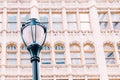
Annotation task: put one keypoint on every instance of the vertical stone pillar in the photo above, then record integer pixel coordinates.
(18, 20)
(64, 19)
(4, 25)
(18, 58)
(50, 20)
(3, 44)
(34, 13)
(110, 27)
(98, 40)
(78, 20)
(117, 53)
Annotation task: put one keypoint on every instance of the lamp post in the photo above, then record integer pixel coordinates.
(34, 35)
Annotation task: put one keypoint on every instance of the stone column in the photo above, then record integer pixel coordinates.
(34, 13)
(98, 40)
(3, 44)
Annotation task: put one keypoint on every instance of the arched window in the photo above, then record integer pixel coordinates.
(45, 47)
(11, 54)
(59, 54)
(25, 56)
(89, 53)
(75, 54)
(109, 53)
(45, 55)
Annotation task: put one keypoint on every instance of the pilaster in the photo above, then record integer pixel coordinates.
(100, 56)
(34, 9)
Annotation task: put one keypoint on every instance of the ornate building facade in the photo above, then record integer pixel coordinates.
(83, 39)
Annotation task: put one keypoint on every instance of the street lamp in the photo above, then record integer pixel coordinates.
(33, 34)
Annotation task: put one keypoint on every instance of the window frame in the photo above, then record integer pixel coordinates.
(47, 50)
(11, 52)
(24, 51)
(72, 51)
(108, 51)
(60, 51)
(12, 22)
(92, 51)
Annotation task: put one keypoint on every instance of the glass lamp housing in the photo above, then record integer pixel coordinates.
(32, 32)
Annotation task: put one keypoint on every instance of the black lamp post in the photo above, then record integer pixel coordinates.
(34, 35)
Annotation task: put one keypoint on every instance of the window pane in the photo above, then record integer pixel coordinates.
(60, 61)
(57, 26)
(89, 55)
(45, 55)
(25, 61)
(110, 61)
(103, 17)
(59, 55)
(116, 25)
(75, 47)
(90, 61)
(88, 47)
(46, 61)
(24, 17)
(12, 26)
(43, 17)
(116, 17)
(75, 55)
(12, 17)
(75, 61)
(108, 47)
(59, 58)
(59, 47)
(85, 26)
(56, 17)
(118, 47)
(45, 48)
(11, 61)
(11, 55)
(84, 17)
(72, 26)
(24, 48)
(71, 17)
(11, 47)
(103, 25)
(109, 55)
(25, 55)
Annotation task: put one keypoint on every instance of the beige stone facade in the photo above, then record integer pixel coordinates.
(83, 39)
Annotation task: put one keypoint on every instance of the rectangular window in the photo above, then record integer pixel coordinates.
(109, 57)
(44, 19)
(75, 58)
(25, 58)
(84, 21)
(103, 20)
(71, 20)
(59, 57)
(57, 21)
(12, 21)
(11, 58)
(24, 17)
(45, 58)
(89, 58)
(116, 21)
